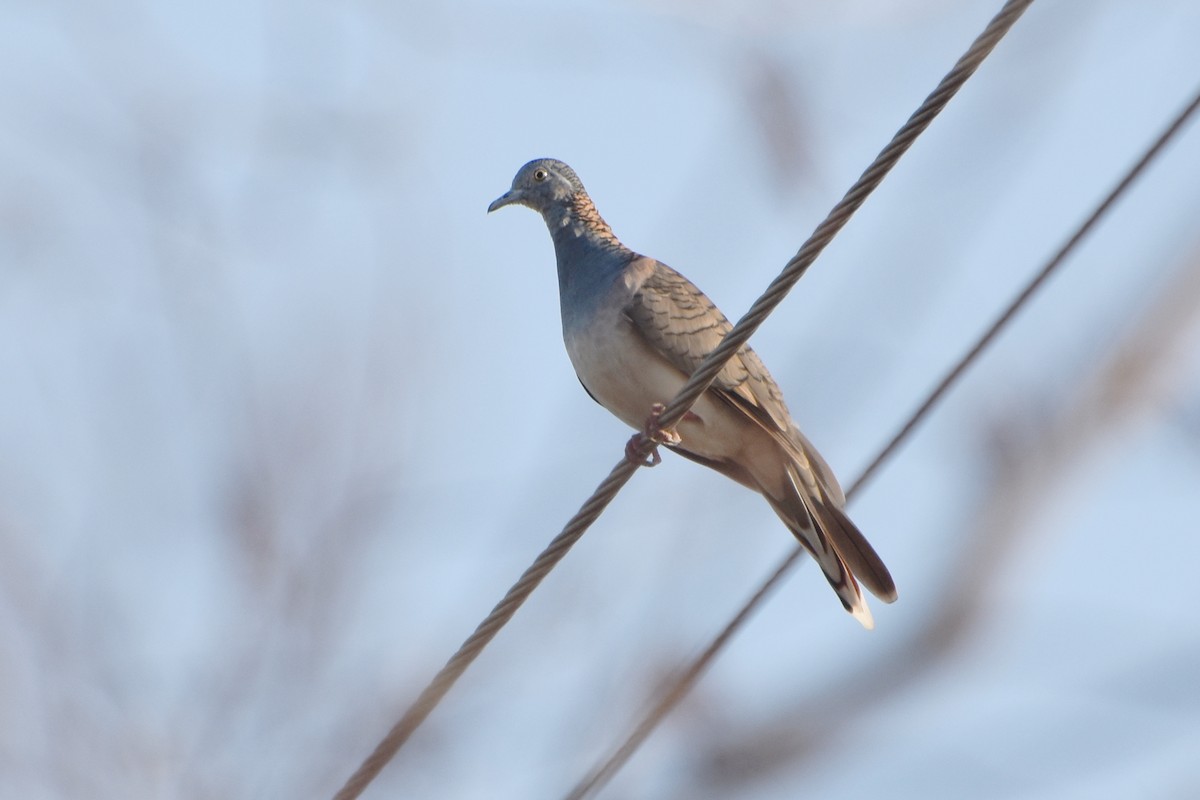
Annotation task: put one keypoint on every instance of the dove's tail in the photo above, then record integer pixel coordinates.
(838, 547)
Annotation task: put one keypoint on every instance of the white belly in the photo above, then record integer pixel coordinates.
(627, 377)
(620, 370)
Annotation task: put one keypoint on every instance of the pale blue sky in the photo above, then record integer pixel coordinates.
(285, 412)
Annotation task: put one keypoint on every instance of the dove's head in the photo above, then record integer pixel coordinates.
(543, 184)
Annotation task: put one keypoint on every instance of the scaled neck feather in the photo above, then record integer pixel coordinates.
(576, 223)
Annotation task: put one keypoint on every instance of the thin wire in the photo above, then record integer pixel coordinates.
(470, 649)
(1030, 289)
(600, 776)
(841, 213)
(675, 410)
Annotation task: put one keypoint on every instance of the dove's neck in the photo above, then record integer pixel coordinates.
(577, 226)
(589, 255)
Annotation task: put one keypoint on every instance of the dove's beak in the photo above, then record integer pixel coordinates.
(506, 199)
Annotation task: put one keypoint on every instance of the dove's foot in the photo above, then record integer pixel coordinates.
(654, 434)
(634, 445)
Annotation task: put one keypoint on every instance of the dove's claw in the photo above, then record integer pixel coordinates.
(654, 434)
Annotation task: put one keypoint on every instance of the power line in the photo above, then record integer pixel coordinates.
(841, 213)
(679, 688)
(675, 410)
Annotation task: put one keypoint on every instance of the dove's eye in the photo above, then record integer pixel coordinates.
(540, 175)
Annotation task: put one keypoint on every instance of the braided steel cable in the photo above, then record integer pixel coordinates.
(679, 688)
(704, 375)
(675, 410)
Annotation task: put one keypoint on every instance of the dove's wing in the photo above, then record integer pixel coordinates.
(679, 321)
(684, 326)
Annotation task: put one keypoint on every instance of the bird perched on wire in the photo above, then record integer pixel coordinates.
(636, 329)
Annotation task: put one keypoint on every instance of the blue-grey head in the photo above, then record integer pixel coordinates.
(552, 189)
(542, 184)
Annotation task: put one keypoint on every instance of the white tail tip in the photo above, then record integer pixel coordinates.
(863, 615)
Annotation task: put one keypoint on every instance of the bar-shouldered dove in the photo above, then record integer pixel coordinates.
(636, 329)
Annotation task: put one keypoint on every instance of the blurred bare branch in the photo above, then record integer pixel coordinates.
(774, 101)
